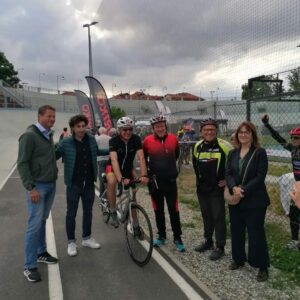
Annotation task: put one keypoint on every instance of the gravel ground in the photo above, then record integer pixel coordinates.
(238, 284)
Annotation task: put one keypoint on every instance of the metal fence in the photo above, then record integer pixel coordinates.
(284, 113)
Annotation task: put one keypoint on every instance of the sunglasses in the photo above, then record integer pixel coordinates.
(127, 129)
(295, 137)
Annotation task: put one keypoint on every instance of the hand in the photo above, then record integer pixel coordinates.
(265, 119)
(222, 183)
(236, 198)
(144, 180)
(238, 191)
(295, 194)
(126, 181)
(34, 196)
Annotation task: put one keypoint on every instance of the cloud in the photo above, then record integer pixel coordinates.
(188, 45)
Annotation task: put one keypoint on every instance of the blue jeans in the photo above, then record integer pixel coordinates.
(87, 194)
(35, 238)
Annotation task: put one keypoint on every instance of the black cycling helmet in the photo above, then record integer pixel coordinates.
(209, 121)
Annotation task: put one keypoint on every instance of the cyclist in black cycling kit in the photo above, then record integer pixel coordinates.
(122, 150)
(162, 150)
(294, 148)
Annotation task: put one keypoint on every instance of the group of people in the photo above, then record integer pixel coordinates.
(38, 170)
(243, 169)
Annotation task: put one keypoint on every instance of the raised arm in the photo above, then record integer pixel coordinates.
(275, 134)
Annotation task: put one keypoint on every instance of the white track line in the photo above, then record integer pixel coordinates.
(173, 274)
(54, 280)
(8, 176)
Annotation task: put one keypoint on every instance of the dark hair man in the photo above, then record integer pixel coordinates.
(38, 172)
(162, 149)
(209, 160)
(80, 171)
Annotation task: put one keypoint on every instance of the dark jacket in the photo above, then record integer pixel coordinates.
(36, 158)
(67, 149)
(254, 187)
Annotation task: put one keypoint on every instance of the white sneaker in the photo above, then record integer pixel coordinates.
(293, 245)
(72, 249)
(91, 243)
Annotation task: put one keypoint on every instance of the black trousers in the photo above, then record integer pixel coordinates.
(212, 208)
(294, 216)
(87, 195)
(251, 220)
(168, 191)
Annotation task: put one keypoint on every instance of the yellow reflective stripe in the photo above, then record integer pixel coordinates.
(195, 153)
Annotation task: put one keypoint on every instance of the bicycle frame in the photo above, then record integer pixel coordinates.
(123, 204)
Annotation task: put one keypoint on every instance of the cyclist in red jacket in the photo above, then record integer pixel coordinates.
(161, 151)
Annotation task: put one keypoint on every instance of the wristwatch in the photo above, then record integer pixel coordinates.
(31, 187)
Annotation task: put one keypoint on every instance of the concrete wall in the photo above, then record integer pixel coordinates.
(12, 124)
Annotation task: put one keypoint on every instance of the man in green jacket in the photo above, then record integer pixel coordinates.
(37, 168)
(80, 171)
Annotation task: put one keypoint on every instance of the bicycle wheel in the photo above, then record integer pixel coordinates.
(139, 240)
(104, 206)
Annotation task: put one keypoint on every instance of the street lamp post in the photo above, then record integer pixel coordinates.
(40, 74)
(90, 47)
(57, 80)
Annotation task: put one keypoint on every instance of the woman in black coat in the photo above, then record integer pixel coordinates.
(248, 187)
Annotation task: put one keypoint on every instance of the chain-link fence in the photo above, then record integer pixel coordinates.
(283, 116)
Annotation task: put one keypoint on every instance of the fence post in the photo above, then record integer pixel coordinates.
(248, 110)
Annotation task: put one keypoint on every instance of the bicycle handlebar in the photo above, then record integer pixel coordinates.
(121, 185)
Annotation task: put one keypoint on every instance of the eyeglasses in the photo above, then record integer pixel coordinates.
(244, 132)
(295, 137)
(127, 129)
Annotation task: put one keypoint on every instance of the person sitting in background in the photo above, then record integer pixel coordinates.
(112, 132)
(294, 148)
(103, 143)
(295, 195)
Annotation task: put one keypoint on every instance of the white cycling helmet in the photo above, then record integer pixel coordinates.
(125, 122)
(157, 119)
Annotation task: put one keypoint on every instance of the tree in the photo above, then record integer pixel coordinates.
(294, 80)
(261, 88)
(117, 112)
(7, 72)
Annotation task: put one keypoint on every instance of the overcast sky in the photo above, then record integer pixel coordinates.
(162, 46)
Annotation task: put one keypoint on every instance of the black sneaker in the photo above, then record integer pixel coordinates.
(139, 233)
(216, 254)
(234, 265)
(32, 275)
(46, 258)
(263, 275)
(207, 245)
